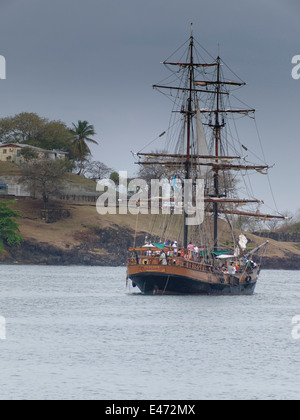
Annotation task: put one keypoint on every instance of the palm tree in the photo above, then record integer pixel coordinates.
(82, 132)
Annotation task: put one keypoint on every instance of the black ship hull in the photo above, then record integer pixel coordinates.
(160, 283)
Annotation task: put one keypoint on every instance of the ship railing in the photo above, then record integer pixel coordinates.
(185, 259)
(156, 258)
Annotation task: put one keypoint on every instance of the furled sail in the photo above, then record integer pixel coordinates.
(243, 242)
(241, 246)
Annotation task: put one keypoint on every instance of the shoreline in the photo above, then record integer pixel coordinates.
(32, 252)
(85, 238)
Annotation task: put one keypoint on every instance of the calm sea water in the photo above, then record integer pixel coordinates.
(78, 333)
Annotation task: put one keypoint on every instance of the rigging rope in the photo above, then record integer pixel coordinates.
(269, 180)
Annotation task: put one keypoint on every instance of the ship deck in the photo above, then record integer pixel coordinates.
(154, 271)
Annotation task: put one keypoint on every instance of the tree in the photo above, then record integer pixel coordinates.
(95, 170)
(114, 176)
(31, 129)
(82, 133)
(9, 228)
(55, 135)
(28, 154)
(247, 223)
(45, 178)
(157, 171)
(22, 128)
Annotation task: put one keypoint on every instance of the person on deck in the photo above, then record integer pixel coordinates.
(231, 269)
(175, 248)
(196, 251)
(190, 250)
(163, 258)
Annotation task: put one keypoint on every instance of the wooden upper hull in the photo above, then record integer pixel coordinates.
(157, 279)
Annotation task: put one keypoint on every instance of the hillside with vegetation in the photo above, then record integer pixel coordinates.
(59, 223)
(83, 237)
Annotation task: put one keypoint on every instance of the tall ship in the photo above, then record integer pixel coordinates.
(204, 147)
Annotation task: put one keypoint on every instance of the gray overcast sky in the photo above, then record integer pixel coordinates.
(97, 60)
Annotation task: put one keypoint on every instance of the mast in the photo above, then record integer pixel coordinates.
(189, 115)
(217, 144)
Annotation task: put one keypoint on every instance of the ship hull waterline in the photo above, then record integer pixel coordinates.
(162, 283)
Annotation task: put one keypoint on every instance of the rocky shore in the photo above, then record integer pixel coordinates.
(75, 234)
(287, 263)
(104, 247)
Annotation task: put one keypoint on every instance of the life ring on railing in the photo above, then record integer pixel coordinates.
(248, 279)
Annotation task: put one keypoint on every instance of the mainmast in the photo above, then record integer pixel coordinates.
(189, 116)
(217, 130)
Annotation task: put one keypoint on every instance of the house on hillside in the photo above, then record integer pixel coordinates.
(12, 152)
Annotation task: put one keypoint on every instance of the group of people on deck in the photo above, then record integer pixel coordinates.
(193, 253)
(171, 253)
(238, 266)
